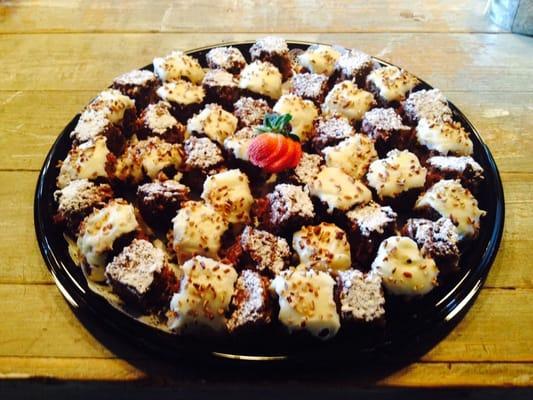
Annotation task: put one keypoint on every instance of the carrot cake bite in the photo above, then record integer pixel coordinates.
(431, 105)
(308, 86)
(465, 168)
(221, 87)
(303, 113)
(250, 111)
(202, 158)
(354, 65)
(157, 120)
(177, 66)
(444, 138)
(265, 252)
(306, 170)
(390, 85)
(185, 98)
(214, 122)
(228, 58)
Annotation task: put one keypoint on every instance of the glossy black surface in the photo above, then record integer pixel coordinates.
(410, 326)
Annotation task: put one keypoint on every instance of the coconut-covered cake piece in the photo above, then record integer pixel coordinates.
(319, 59)
(177, 66)
(141, 277)
(465, 168)
(386, 128)
(306, 302)
(261, 79)
(308, 86)
(227, 58)
(214, 122)
(303, 113)
(250, 111)
(336, 190)
(306, 170)
(436, 239)
(105, 232)
(185, 97)
(390, 85)
(273, 49)
(354, 65)
(330, 130)
(348, 100)
(157, 120)
(322, 247)
(403, 267)
(445, 138)
(159, 201)
(251, 304)
(197, 230)
(139, 85)
(202, 158)
(77, 200)
(266, 252)
(361, 297)
(221, 87)
(447, 198)
(353, 155)
(431, 105)
(204, 296)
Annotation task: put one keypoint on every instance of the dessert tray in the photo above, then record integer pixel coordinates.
(270, 200)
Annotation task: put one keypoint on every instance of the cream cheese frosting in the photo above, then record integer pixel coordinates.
(444, 137)
(181, 92)
(178, 65)
(303, 113)
(348, 100)
(214, 122)
(392, 82)
(262, 78)
(352, 155)
(319, 59)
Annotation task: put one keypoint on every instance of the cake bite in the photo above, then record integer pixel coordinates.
(77, 200)
(178, 66)
(319, 59)
(404, 269)
(264, 251)
(221, 87)
(202, 158)
(323, 247)
(444, 138)
(261, 79)
(251, 308)
(361, 298)
(305, 172)
(141, 276)
(447, 198)
(157, 120)
(354, 65)
(138, 85)
(250, 111)
(353, 155)
(308, 86)
(348, 100)
(302, 112)
(185, 98)
(274, 50)
(204, 296)
(227, 58)
(431, 105)
(330, 130)
(385, 127)
(465, 169)
(390, 85)
(306, 302)
(214, 122)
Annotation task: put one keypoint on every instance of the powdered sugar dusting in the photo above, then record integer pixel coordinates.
(289, 200)
(270, 252)
(202, 153)
(80, 194)
(372, 218)
(384, 119)
(428, 104)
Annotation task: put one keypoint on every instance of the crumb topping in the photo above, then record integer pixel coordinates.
(202, 153)
(348, 100)
(251, 111)
(270, 252)
(428, 104)
(361, 296)
(176, 66)
(352, 155)
(214, 122)
(392, 82)
(287, 201)
(371, 218)
(262, 78)
(225, 57)
(308, 168)
(303, 114)
(181, 92)
(444, 137)
(319, 59)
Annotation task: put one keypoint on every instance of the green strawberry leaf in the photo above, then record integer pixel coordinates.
(276, 123)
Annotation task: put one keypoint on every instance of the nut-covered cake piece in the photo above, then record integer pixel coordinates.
(185, 98)
(303, 113)
(261, 79)
(331, 130)
(221, 87)
(251, 111)
(444, 138)
(266, 251)
(319, 59)
(390, 85)
(157, 120)
(274, 50)
(465, 168)
(308, 86)
(177, 66)
(214, 122)
(354, 65)
(353, 155)
(361, 297)
(431, 105)
(158, 201)
(348, 100)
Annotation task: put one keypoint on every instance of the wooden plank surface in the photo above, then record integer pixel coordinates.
(227, 16)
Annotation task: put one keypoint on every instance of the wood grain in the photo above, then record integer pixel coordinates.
(233, 16)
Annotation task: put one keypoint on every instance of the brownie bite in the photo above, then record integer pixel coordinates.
(158, 201)
(361, 298)
(330, 130)
(385, 127)
(305, 172)
(303, 113)
(185, 98)
(368, 225)
(227, 58)
(347, 100)
(437, 240)
(274, 50)
(447, 198)
(444, 138)
(250, 111)
(250, 303)
(390, 85)
(466, 169)
(308, 86)
(319, 59)
(397, 179)
(141, 277)
(202, 158)
(353, 155)
(139, 85)
(77, 200)
(264, 251)
(284, 210)
(261, 80)
(221, 87)
(177, 66)
(157, 120)
(428, 104)
(214, 122)
(354, 65)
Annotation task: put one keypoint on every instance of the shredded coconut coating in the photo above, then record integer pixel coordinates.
(287, 201)
(270, 252)
(361, 296)
(202, 153)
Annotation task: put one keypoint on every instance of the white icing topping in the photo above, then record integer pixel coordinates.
(204, 296)
(451, 200)
(287, 201)
(197, 229)
(214, 122)
(219, 77)
(225, 57)
(136, 265)
(269, 45)
(339, 190)
(352, 62)
(361, 296)
(270, 252)
(446, 137)
(178, 65)
(239, 143)
(324, 246)
(403, 268)
(86, 161)
(308, 167)
(352, 155)
(229, 193)
(319, 59)
(181, 92)
(371, 218)
(348, 100)
(429, 104)
(137, 77)
(158, 119)
(100, 229)
(399, 172)
(392, 82)
(262, 78)
(306, 302)
(458, 164)
(303, 114)
(202, 153)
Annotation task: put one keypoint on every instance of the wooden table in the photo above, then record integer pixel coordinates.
(56, 55)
